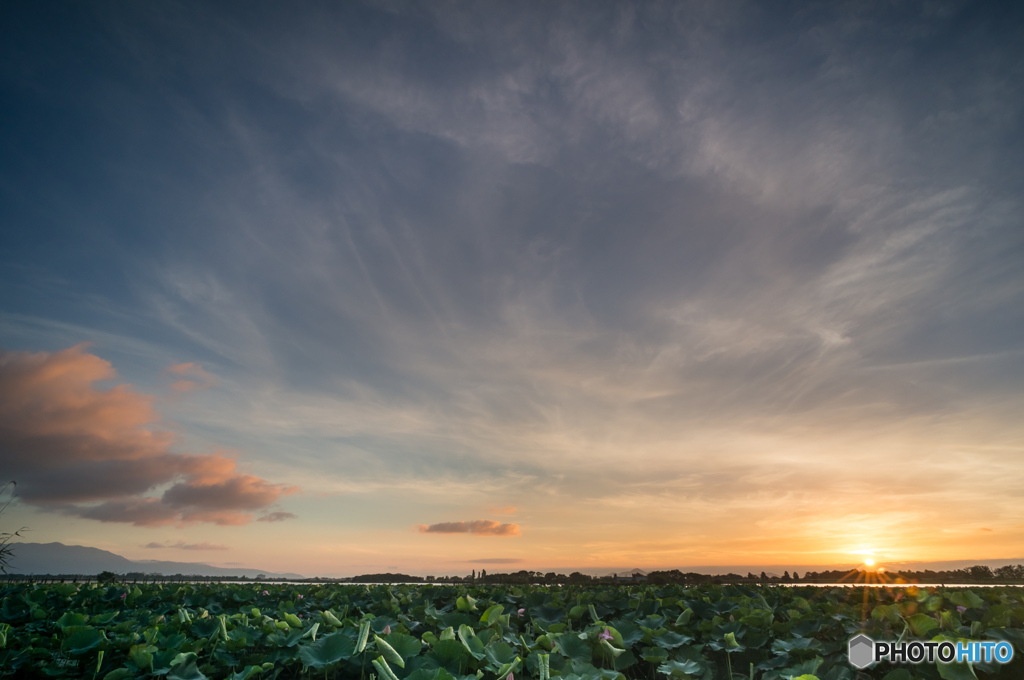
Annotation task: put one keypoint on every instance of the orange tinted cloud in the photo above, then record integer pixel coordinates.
(193, 377)
(94, 453)
(477, 527)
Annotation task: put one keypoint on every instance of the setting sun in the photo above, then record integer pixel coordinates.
(869, 562)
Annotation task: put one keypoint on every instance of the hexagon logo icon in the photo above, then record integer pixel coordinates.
(861, 651)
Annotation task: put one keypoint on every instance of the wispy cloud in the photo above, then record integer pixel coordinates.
(180, 545)
(192, 377)
(279, 516)
(477, 527)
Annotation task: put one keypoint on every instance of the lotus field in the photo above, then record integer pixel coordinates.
(424, 632)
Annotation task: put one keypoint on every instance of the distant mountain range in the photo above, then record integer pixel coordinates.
(57, 558)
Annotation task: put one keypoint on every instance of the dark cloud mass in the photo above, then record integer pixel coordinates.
(69, 443)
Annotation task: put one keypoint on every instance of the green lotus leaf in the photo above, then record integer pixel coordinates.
(508, 669)
(68, 619)
(142, 656)
(456, 619)
(671, 640)
(682, 669)
(586, 671)
(500, 653)
(330, 619)
(966, 598)
(186, 670)
(246, 673)
(795, 645)
(608, 650)
(492, 614)
(82, 639)
(956, 671)
(922, 624)
(473, 644)
(328, 650)
(285, 639)
(574, 648)
(449, 654)
(429, 674)
(105, 618)
(204, 628)
(809, 667)
(119, 674)
(406, 645)
(898, 674)
(547, 616)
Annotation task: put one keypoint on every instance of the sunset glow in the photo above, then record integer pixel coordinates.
(378, 287)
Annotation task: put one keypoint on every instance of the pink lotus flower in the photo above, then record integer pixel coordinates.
(961, 609)
(387, 630)
(266, 593)
(521, 612)
(606, 635)
(124, 595)
(510, 677)
(300, 596)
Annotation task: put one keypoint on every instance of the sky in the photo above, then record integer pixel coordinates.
(343, 288)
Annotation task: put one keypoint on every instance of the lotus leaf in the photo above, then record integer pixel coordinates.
(186, 670)
(449, 654)
(671, 640)
(406, 645)
(966, 598)
(575, 649)
(499, 653)
(898, 674)
(922, 624)
(680, 668)
(328, 650)
(547, 616)
(119, 674)
(81, 639)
